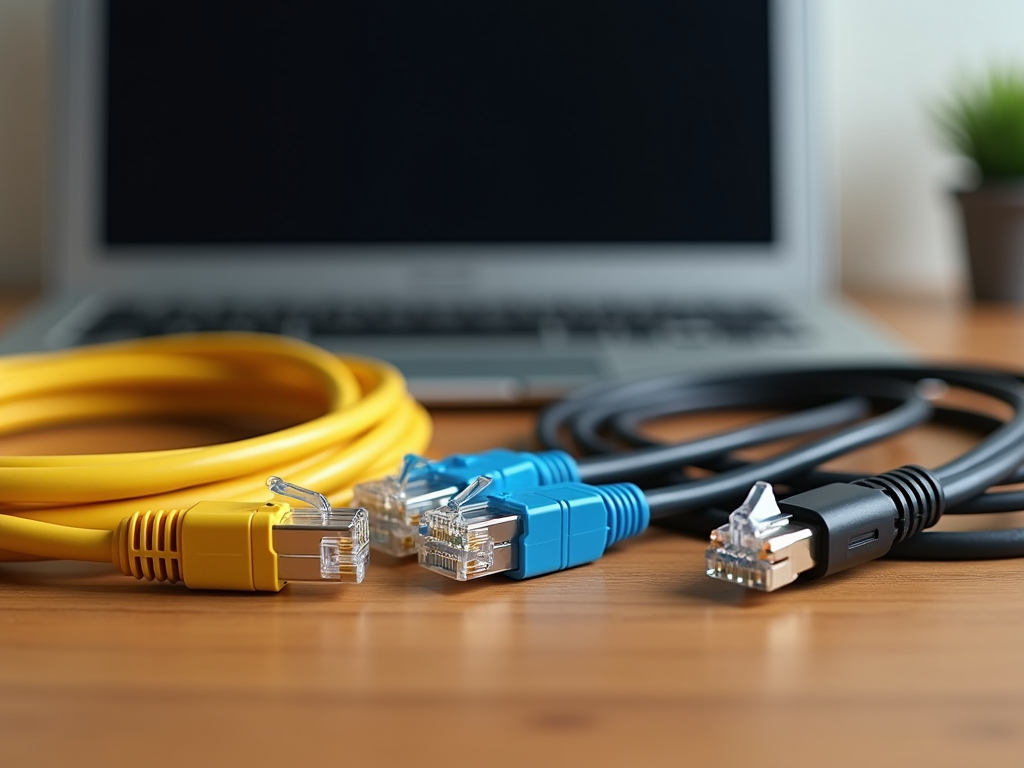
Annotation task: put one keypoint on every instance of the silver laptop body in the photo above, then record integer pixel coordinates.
(492, 354)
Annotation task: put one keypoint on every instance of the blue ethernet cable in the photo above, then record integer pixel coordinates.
(396, 503)
(529, 532)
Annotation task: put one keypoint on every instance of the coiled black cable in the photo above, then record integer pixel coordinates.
(839, 410)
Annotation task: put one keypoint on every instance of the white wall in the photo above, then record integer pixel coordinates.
(888, 62)
(885, 62)
(24, 59)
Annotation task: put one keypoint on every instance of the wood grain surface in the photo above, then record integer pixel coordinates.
(637, 659)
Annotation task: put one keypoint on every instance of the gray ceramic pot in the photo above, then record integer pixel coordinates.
(994, 230)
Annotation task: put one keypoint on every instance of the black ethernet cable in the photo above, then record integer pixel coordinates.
(835, 520)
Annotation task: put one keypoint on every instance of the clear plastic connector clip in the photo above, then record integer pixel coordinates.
(397, 502)
(316, 542)
(760, 547)
(463, 540)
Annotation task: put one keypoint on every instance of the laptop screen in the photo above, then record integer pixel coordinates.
(440, 121)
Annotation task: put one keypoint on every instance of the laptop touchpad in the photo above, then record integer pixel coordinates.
(483, 380)
(483, 367)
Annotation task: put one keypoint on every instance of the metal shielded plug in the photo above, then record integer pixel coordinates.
(464, 540)
(767, 544)
(319, 543)
(396, 503)
(760, 547)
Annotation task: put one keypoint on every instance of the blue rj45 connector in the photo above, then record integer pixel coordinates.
(396, 503)
(528, 533)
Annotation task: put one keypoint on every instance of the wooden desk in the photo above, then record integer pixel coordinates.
(638, 659)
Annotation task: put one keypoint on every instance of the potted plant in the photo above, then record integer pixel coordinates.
(984, 121)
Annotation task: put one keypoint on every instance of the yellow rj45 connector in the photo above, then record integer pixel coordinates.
(253, 547)
(219, 544)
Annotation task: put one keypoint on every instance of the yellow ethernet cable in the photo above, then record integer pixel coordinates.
(162, 514)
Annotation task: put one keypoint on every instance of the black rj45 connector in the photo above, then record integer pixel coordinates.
(767, 544)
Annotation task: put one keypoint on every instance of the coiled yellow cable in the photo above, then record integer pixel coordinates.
(353, 420)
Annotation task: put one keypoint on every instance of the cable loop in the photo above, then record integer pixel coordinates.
(606, 423)
(351, 419)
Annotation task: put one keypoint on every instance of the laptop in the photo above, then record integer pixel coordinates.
(507, 199)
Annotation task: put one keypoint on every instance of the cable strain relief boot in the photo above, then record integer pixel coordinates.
(555, 467)
(917, 495)
(147, 545)
(628, 511)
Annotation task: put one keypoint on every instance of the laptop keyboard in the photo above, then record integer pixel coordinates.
(690, 323)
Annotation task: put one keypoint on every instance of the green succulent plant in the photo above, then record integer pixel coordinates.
(984, 121)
